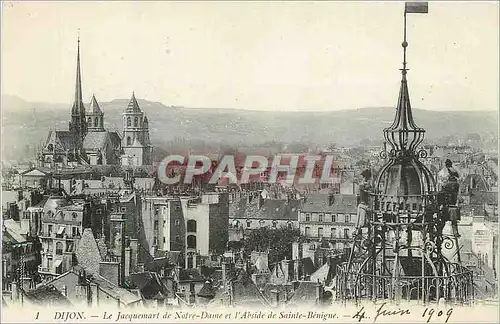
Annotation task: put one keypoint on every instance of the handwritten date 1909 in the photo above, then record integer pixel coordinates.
(386, 310)
(431, 312)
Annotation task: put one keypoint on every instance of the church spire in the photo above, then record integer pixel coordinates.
(78, 122)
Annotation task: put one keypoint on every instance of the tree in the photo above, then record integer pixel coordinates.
(278, 241)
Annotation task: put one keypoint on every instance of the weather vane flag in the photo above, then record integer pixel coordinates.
(416, 7)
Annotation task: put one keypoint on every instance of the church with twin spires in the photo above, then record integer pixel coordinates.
(87, 142)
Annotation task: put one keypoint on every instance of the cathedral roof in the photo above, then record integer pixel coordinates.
(95, 140)
(63, 140)
(94, 108)
(133, 106)
(115, 139)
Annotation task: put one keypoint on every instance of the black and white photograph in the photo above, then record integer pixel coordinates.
(236, 161)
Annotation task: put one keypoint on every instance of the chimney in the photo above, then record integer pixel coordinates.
(128, 253)
(319, 293)
(296, 269)
(15, 291)
(331, 198)
(261, 201)
(275, 298)
(94, 294)
(285, 265)
(133, 244)
(192, 293)
(223, 273)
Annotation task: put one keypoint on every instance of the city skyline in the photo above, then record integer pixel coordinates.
(297, 62)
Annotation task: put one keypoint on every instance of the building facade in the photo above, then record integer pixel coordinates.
(329, 217)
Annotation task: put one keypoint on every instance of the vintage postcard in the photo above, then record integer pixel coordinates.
(220, 161)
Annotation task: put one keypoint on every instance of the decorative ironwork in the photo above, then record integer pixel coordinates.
(403, 255)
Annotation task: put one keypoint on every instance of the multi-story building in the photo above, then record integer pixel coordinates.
(20, 255)
(61, 225)
(253, 210)
(196, 226)
(329, 217)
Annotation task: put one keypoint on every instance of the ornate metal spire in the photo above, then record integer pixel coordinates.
(404, 135)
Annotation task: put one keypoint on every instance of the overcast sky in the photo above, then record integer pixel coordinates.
(255, 55)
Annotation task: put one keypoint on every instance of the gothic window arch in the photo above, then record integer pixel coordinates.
(50, 147)
(129, 140)
(129, 122)
(96, 122)
(136, 122)
(89, 120)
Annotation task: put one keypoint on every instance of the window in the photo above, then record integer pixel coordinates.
(249, 223)
(136, 122)
(164, 240)
(129, 122)
(334, 218)
(50, 214)
(155, 240)
(191, 225)
(177, 223)
(177, 238)
(346, 233)
(320, 231)
(96, 122)
(333, 233)
(50, 147)
(262, 223)
(89, 121)
(99, 211)
(74, 215)
(289, 225)
(308, 217)
(59, 248)
(129, 140)
(275, 223)
(49, 229)
(156, 225)
(75, 231)
(124, 209)
(347, 218)
(320, 217)
(191, 242)
(307, 231)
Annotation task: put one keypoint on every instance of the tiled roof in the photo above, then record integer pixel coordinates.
(149, 284)
(14, 231)
(133, 106)
(65, 140)
(320, 203)
(95, 140)
(190, 275)
(270, 209)
(208, 290)
(94, 108)
(305, 294)
(115, 139)
(285, 292)
(87, 252)
(245, 291)
(47, 295)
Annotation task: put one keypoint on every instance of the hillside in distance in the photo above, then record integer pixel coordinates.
(26, 124)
